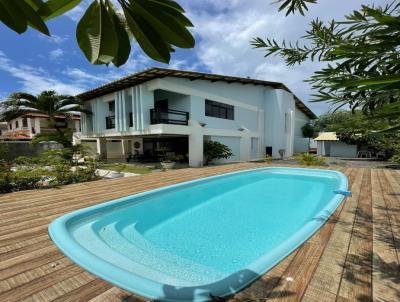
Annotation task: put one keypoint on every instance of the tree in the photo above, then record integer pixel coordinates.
(49, 103)
(215, 150)
(344, 120)
(104, 33)
(362, 53)
(356, 128)
(308, 132)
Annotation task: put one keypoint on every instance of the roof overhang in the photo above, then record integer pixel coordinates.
(157, 73)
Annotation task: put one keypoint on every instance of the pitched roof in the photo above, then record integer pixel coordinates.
(157, 73)
(327, 136)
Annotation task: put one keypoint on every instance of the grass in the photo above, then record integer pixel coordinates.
(126, 168)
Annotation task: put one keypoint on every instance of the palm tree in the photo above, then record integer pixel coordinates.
(47, 102)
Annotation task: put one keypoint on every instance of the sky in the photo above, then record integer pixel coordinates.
(33, 62)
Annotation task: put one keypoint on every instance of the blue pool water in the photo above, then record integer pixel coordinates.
(207, 237)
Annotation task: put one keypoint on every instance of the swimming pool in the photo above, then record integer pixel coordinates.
(203, 238)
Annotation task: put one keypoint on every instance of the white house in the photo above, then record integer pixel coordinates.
(27, 125)
(159, 112)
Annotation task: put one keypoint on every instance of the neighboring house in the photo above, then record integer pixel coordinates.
(27, 125)
(161, 112)
(328, 144)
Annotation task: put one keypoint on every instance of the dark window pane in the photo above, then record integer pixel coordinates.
(111, 106)
(219, 110)
(130, 119)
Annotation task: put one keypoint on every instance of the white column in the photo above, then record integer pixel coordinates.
(124, 147)
(102, 148)
(28, 120)
(196, 149)
(37, 125)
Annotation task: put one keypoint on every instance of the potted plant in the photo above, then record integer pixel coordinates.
(117, 173)
(168, 163)
(281, 153)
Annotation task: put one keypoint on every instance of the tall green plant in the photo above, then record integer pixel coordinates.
(308, 132)
(104, 32)
(215, 150)
(362, 53)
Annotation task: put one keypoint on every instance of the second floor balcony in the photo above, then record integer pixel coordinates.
(169, 116)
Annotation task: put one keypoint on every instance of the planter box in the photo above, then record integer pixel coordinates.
(170, 165)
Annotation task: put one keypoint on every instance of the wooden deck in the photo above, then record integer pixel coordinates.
(353, 257)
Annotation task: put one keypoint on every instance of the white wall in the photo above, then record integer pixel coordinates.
(114, 149)
(247, 100)
(279, 131)
(233, 143)
(300, 142)
(341, 149)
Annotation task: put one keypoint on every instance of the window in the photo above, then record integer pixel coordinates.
(16, 124)
(61, 124)
(130, 119)
(110, 122)
(111, 106)
(219, 110)
(10, 126)
(25, 122)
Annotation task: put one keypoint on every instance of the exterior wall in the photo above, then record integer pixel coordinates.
(341, 149)
(233, 143)
(279, 121)
(247, 99)
(300, 142)
(114, 149)
(138, 100)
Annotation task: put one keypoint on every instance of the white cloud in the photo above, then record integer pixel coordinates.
(224, 28)
(58, 39)
(56, 54)
(34, 80)
(81, 76)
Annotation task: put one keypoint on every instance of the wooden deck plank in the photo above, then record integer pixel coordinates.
(356, 282)
(28, 260)
(385, 262)
(327, 276)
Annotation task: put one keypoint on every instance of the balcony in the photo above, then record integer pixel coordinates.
(169, 116)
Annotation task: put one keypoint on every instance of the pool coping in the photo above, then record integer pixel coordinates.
(155, 290)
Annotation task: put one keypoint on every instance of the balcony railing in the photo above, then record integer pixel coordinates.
(110, 122)
(170, 116)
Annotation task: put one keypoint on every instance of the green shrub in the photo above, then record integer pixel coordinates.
(215, 150)
(25, 160)
(268, 159)
(395, 159)
(4, 152)
(310, 159)
(63, 174)
(59, 170)
(23, 179)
